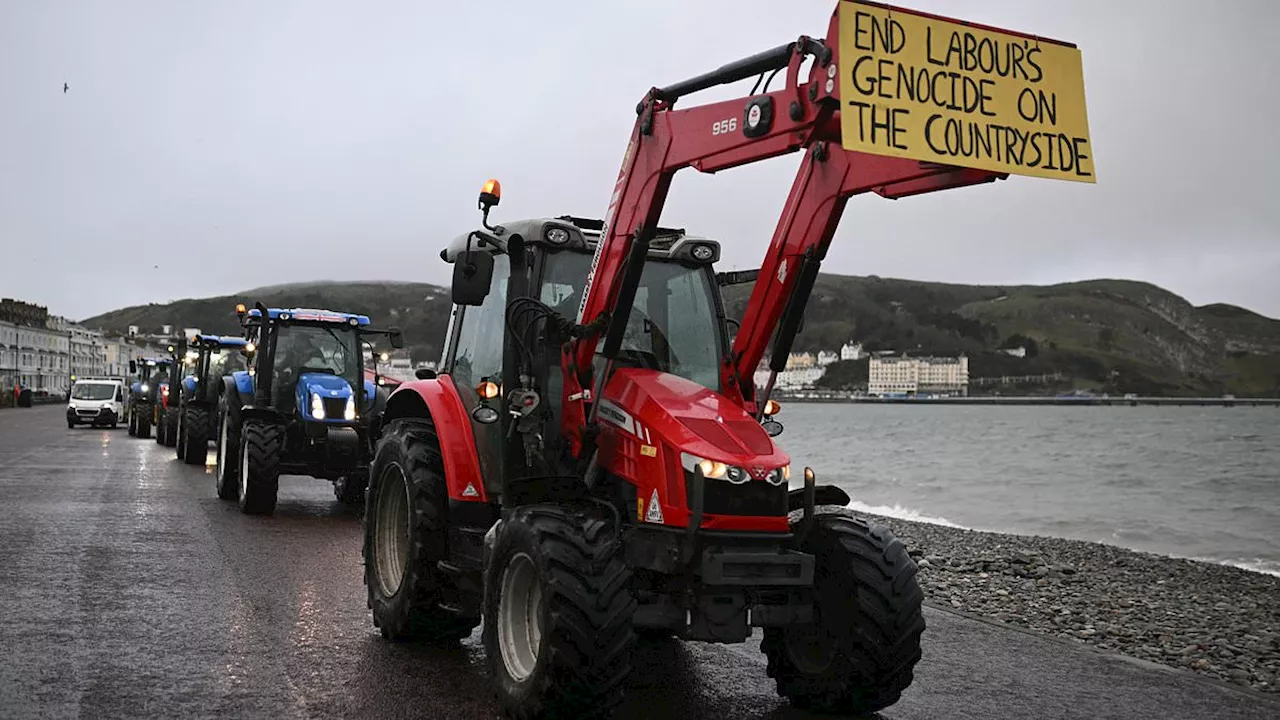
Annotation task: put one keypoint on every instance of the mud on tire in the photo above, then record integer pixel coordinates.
(861, 654)
(403, 543)
(580, 610)
(260, 447)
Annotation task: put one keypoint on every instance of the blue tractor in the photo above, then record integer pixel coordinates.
(149, 378)
(302, 407)
(207, 360)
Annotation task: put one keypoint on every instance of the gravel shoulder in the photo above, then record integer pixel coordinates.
(1219, 621)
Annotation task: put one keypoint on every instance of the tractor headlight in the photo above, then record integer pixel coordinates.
(350, 412)
(317, 407)
(557, 236)
(145, 388)
(714, 469)
(777, 476)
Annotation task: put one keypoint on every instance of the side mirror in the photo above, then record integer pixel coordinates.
(396, 338)
(424, 374)
(472, 274)
(772, 427)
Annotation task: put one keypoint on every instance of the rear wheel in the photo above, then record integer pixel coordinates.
(260, 447)
(161, 426)
(860, 654)
(170, 428)
(558, 637)
(193, 445)
(228, 468)
(133, 424)
(406, 535)
(144, 423)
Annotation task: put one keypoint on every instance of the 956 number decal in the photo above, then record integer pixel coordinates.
(724, 127)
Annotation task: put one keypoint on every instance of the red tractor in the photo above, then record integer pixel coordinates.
(594, 462)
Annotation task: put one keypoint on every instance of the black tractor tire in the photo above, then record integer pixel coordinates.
(860, 654)
(227, 472)
(579, 663)
(144, 424)
(133, 424)
(180, 447)
(193, 448)
(260, 446)
(408, 469)
(170, 422)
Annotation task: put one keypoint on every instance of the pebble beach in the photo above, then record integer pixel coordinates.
(1216, 620)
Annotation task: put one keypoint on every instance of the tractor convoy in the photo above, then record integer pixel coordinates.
(593, 461)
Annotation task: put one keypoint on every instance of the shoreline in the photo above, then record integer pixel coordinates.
(1214, 619)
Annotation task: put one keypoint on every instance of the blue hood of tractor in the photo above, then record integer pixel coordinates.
(189, 383)
(328, 387)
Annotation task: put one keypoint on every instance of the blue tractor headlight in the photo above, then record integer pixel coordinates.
(317, 407)
(350, 412)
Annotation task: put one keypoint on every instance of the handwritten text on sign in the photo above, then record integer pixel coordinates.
(926, 89)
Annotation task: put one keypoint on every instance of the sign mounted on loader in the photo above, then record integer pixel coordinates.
(928, 88)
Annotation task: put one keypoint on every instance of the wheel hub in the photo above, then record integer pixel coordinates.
(391, 530)
(811, 648)
(520, 617)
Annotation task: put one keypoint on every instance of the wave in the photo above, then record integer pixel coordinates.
(901, 513)
(1258, 565)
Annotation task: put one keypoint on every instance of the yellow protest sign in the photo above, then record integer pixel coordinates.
(928, 89)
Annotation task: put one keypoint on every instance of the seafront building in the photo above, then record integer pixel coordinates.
(45, 353)
(903, 375)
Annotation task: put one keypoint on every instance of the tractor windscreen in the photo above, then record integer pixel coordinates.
(225, 361)
(673, 326)
(316, 349)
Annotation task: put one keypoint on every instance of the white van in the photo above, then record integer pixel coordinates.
(96, 401)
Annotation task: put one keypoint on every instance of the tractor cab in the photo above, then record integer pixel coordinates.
(206, 360)
(301, 406)
(664, 408)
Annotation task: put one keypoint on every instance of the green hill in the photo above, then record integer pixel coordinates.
(1112, 335)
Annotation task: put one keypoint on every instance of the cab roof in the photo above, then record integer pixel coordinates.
(220, 340)
(583, 234)
(311, 315)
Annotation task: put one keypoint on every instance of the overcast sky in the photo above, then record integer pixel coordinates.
(348, 140)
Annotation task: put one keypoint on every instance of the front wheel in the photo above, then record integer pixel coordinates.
(406, 534)
(193, 445)
(860, 654)
(260, 446)
(558, 637)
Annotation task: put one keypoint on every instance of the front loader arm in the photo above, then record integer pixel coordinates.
(709, 138)
(719, 136)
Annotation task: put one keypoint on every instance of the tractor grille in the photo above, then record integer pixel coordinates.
(754, 497)
(334, 407)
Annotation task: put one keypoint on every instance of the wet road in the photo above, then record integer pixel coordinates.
(130, 590)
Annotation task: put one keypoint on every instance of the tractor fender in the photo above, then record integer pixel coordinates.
(438, 399)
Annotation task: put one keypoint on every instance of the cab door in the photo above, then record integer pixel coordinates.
(475, 357)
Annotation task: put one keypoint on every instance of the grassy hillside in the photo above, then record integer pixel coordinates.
(1114, 335)
(419, 309)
